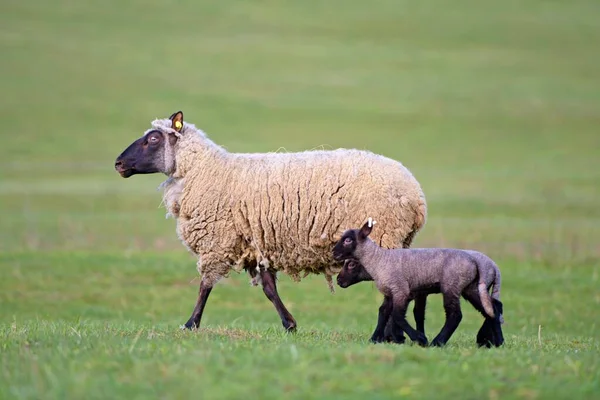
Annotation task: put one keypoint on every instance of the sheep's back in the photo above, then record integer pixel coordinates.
(300, 204)
(290, 208)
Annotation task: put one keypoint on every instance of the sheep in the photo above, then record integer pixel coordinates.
(402, 274)
(270, 212)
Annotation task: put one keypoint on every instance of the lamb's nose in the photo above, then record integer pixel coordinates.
(118, 165)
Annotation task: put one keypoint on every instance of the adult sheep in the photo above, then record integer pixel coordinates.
(269, 212)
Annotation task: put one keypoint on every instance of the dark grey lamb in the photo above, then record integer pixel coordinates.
(403, 274)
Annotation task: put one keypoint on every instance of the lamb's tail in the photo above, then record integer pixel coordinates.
(497, 283)
(484, 295)
(496, 291)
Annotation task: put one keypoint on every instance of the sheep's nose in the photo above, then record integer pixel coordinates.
(118, 165)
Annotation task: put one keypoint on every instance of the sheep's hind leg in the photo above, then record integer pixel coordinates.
(453, 318)
(270, 289)
(203, 293)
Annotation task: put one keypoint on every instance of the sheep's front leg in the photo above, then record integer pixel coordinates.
(453, 318)
(270, 289)
(385, 311)
(400, 322)
(204, 291)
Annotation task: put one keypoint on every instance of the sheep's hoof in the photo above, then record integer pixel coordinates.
(190, 325)
(290, 326)
(437, 343)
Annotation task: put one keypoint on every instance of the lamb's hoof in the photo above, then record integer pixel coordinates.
(422, 341)
(389, 338)
(397, 339)
(377, 339)
(437, 343)
(489, 343)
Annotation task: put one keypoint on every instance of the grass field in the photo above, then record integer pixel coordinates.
(494, 106)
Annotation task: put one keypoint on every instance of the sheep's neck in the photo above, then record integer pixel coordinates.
(195, 149)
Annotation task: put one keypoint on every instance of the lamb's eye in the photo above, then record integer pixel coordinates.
(153, 140)
(347, 242)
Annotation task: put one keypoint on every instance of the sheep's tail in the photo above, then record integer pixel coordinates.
(484, 294)
(420, 219)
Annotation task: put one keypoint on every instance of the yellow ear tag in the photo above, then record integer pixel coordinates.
(178, 124)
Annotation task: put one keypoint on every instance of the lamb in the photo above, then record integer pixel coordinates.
(270, 212)
(402, 274)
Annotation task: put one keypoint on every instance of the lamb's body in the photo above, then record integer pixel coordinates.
(403, 274)
(284, 210)
(432, 270)
(270, 212)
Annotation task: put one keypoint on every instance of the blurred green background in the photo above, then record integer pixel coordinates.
(494, 106)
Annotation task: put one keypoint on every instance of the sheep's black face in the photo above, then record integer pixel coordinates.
(153, 152)
(144, 156)
(353, 272)
(345, 247)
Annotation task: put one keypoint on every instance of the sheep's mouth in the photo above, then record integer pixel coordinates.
(124, 170)
(126, 173)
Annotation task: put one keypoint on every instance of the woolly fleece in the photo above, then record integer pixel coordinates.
(284, 211)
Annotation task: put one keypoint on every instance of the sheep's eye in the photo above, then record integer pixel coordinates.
(347, 241)
(152, 140)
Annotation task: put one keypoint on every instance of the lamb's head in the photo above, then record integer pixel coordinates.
(353, 272)
(348, 247)
(153, 152)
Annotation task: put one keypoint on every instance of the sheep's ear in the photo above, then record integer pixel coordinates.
(366, 229)
(177, 121)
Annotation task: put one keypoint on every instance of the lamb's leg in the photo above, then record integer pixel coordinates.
(391, 334)
(270, 290)
(453, 318)
(485, 336)
(204, 291)
(497, 324)
(490, 333)
(419, 312)
(383, 321)
(400, 322)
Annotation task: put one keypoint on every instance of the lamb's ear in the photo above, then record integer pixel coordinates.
(366, 229)
(177, 121)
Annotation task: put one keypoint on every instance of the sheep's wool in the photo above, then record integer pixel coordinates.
(283, 210)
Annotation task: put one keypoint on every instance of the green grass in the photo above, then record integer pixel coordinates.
(495, 107)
